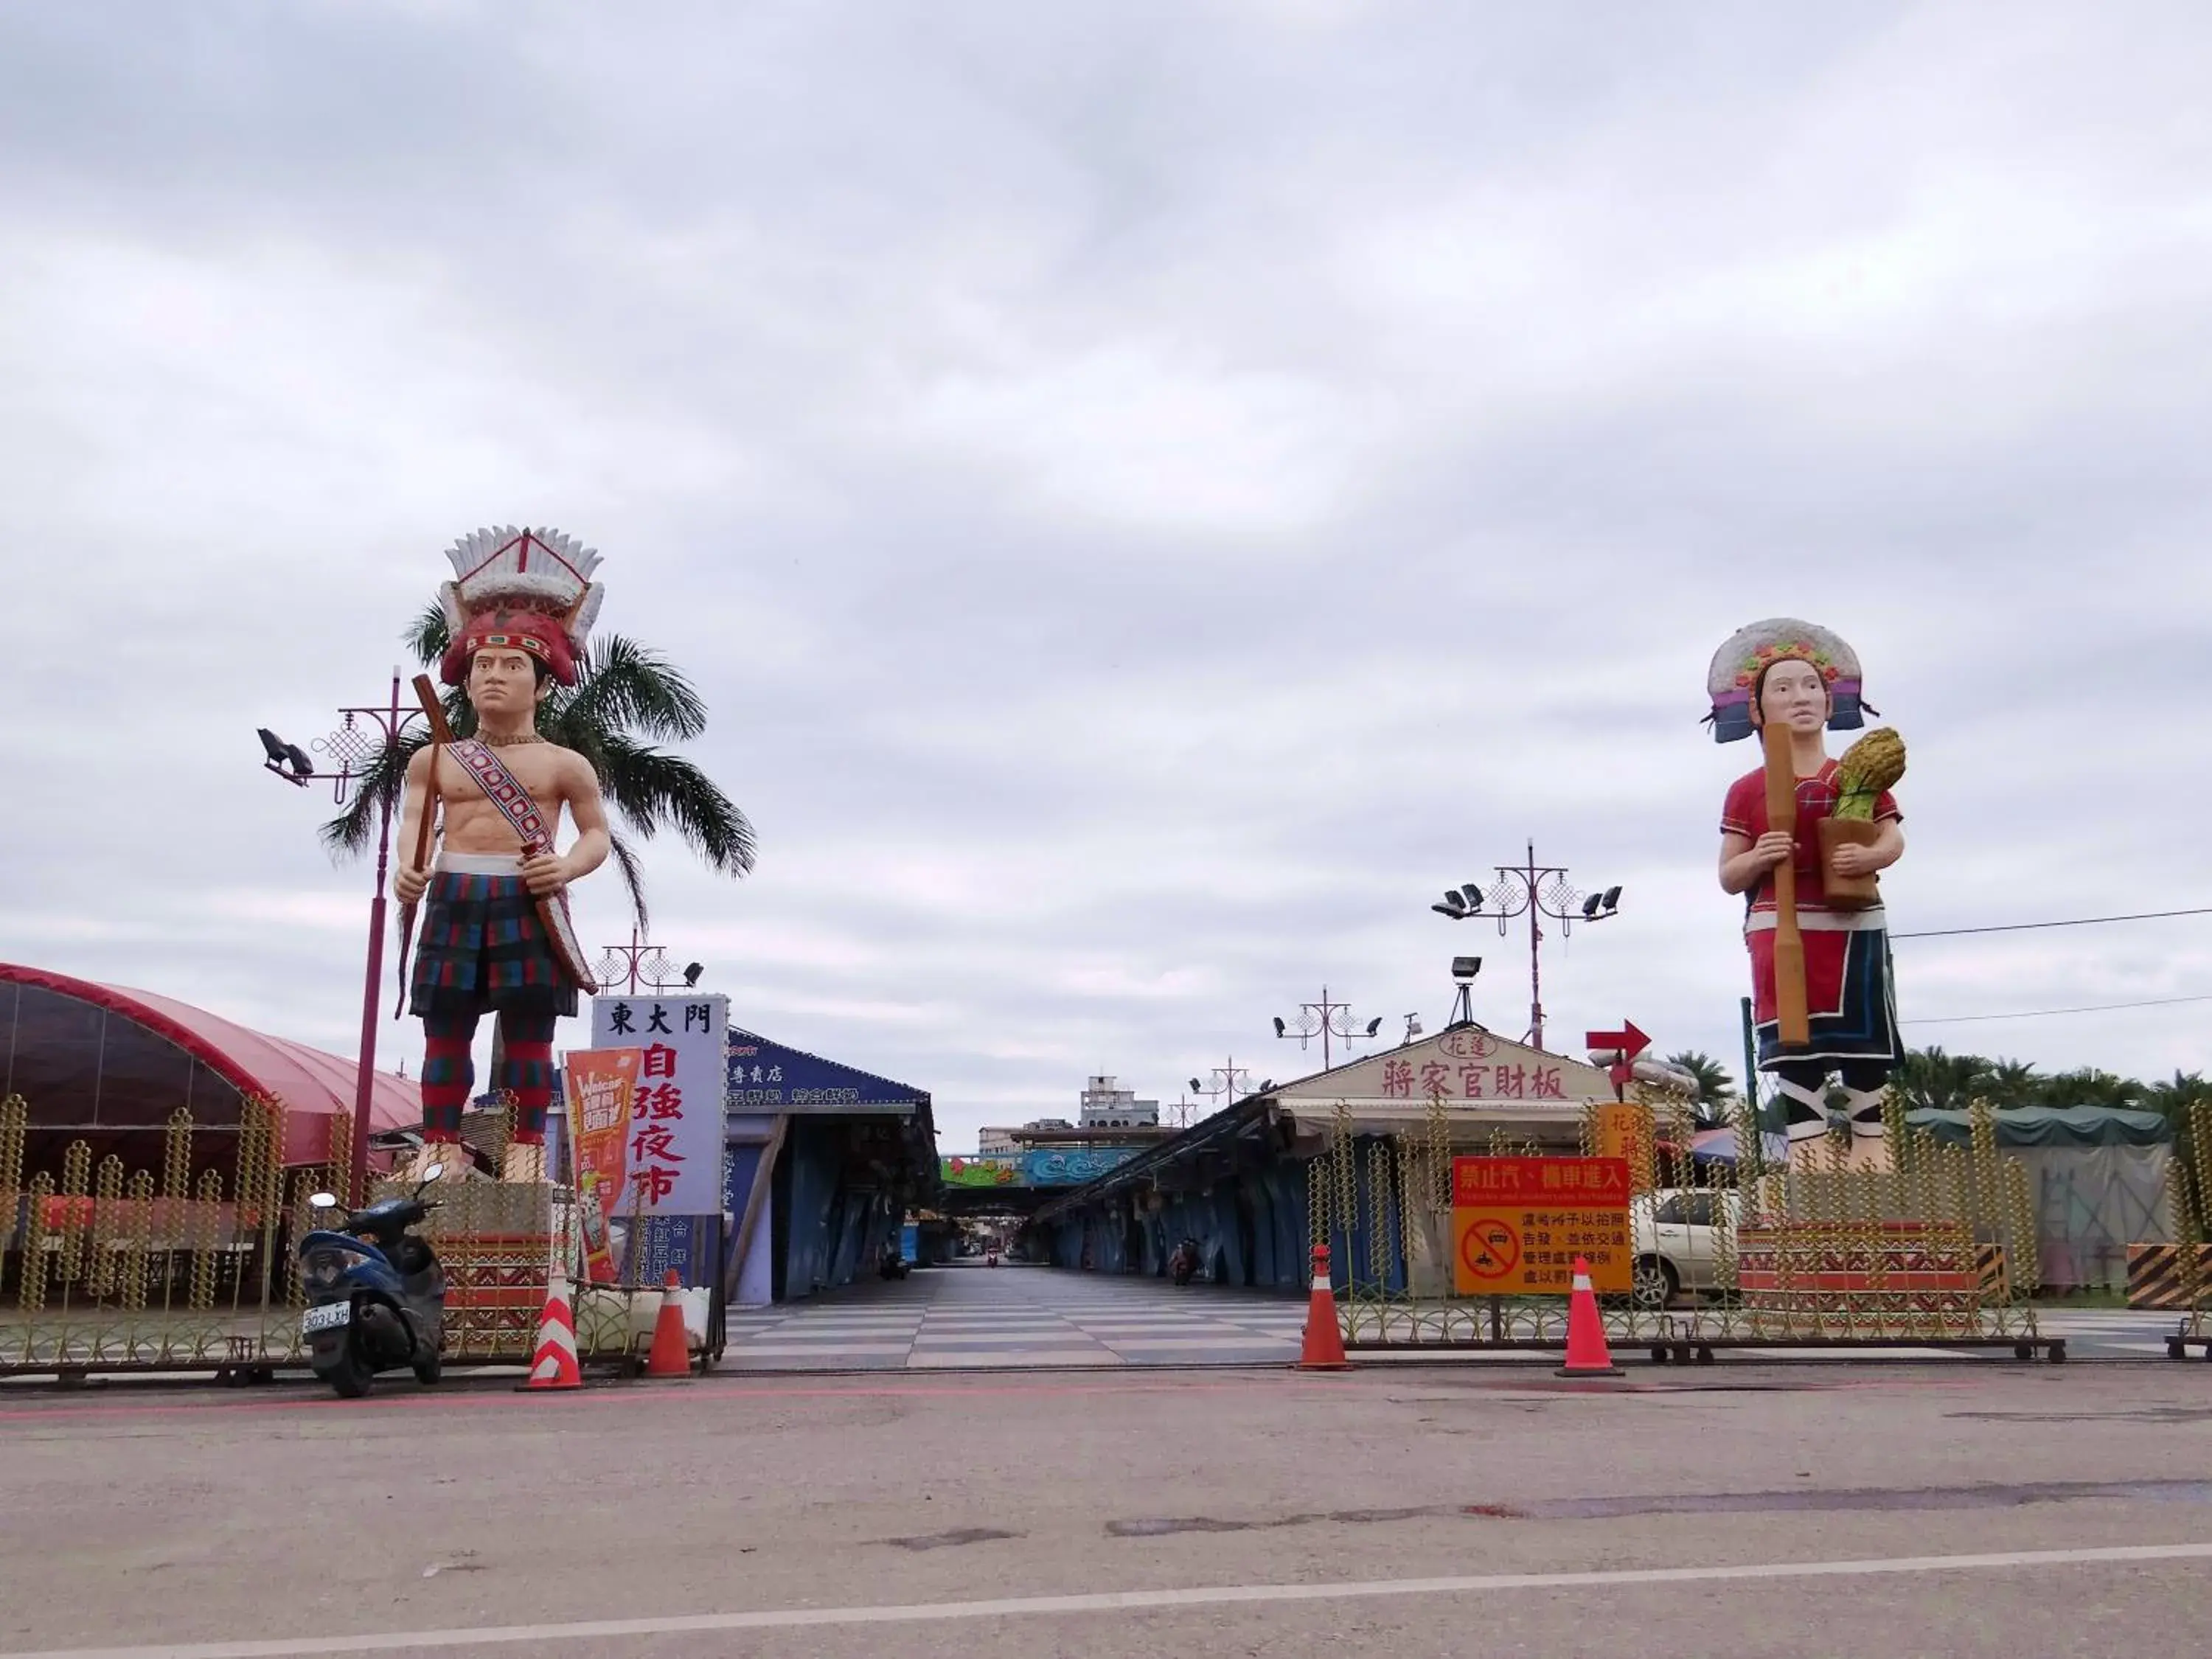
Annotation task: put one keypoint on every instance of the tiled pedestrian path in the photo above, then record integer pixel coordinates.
(974, 1315)
(971, 1317)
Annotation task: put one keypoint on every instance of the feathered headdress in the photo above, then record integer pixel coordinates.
(520, 590)
(1750, 652)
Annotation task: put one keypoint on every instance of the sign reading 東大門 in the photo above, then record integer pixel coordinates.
(676, 1130)
(1519, 1223)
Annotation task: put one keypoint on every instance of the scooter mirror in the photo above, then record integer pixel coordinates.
(433, 1173)
(323, 1200)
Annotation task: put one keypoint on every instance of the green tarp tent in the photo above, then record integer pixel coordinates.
(2097, 1175)
(2053, 1126)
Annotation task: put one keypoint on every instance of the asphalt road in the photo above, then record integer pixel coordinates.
(1897, 1511)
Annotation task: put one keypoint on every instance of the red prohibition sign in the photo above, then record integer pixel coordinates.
(1490, 1248)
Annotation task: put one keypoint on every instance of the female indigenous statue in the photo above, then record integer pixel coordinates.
(1803, 838)
(496, 936)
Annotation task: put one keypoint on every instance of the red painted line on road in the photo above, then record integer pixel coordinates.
(732, 1387)
(714, 1389)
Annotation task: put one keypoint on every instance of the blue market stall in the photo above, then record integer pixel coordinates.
(823, 1165)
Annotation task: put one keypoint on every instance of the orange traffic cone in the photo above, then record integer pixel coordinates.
(554, 1366)
(1587, 1354)
(672, 1352)
(1323, 1347)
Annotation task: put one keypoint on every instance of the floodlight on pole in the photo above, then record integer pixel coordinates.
(1224, 1089)
(1536, 891)
(1324, 1019)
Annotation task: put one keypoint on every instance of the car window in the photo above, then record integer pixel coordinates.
(1669, 1214)
(1696, 1209)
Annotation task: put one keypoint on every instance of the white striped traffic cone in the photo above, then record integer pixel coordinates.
(555, 1366)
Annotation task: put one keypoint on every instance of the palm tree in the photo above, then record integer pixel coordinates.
(1715, 1085)
(2012, 1083)
(626, 698)
(2175, 1100)
(2089, 1086)
(1929, 1078)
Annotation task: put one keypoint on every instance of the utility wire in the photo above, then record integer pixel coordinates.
(2078, 921)
(2045, 1013)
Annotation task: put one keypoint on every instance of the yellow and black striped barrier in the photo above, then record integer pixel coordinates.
(1996, 1276)
(2158, 1276)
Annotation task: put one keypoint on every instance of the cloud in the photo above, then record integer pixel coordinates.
(1149, 493)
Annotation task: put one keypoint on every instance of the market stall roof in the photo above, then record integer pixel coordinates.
(1484, 1080)
(1480, 1076)
(60, 1047)
(765, 1076)
(768, 1079)
(2051, 1125)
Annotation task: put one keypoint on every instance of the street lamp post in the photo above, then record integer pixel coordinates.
(638, 962)
(1224, 1086)
(352, 746)
(1323, 1019)
(1536, 891)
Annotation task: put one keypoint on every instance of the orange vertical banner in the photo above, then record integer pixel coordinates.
(602, 1089)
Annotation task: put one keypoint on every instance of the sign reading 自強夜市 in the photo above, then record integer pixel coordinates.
(1518, 1224)
(677, 1115)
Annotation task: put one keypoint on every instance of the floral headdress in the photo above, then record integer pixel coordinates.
(1750, 652)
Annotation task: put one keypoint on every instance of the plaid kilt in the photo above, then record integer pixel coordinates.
(484, 948)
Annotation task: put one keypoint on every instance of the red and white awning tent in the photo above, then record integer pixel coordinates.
(107, 1065)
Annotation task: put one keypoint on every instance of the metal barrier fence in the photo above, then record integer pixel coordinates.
(109, 1270)
(1938, 1251)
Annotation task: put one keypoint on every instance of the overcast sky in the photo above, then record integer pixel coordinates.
(1150, 493)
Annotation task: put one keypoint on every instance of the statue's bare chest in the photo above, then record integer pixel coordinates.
(536, 767)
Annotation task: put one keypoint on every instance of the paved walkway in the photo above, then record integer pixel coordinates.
(969, 1316)
(973, 1315)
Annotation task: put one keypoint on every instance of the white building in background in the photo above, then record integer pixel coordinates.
(1106, 1105)
(996, 1143)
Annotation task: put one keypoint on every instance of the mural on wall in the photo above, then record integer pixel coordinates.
(1073, 1166)
(978, 1171)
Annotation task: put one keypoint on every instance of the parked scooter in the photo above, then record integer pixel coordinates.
(376, 1293)
(1182, 1266)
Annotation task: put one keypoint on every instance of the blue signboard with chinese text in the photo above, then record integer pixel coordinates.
(768, 1077)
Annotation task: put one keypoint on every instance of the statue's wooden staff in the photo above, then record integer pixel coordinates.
(1793, 1024)
(442, 733)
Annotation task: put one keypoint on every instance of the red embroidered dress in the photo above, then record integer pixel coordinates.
(1847, 981)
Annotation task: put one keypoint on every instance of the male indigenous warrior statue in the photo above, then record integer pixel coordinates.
(496, 931)
(1814, 923)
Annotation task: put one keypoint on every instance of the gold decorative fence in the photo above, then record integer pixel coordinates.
(1939, 1249)
(109, 1270)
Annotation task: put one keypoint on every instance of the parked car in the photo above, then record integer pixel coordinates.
(1676, 1239)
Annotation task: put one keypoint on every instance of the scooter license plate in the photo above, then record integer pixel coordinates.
(328, 1317)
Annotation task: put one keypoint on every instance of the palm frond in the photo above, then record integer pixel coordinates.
(428, 636)
(650, 788)
(624, 686)
(632, 877)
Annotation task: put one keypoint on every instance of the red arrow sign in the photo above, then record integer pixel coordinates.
(1627, 1041)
